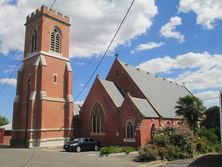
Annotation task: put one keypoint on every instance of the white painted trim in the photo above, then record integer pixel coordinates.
(37, 61)
(42, 129)
(68, 67)
(16, 99)
(43, 96)
(97, 134)
(129, 140)
(50, 54)
(33, 95)
(69, 98)
(21, 67)
(43, 60)
(47, 142)
(56, 99)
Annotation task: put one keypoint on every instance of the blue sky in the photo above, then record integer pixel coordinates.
(177, 40)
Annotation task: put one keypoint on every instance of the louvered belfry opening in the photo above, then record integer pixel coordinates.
(55, 40)
(34, 41)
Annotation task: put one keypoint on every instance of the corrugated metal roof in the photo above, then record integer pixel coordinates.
(161, 93)
(7, 127)
(77, 108)
(113, 92)
(144, 107)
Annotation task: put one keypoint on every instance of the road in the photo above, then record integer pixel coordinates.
(57, 158)
(54, 158)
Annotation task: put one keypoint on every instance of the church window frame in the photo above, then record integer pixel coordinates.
(34, 40)
(129, 126)
(55, 78)
(97, 117)
(55, 40)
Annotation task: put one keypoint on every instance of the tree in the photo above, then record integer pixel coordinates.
(191, 109)
(3, 121)
(212, 119)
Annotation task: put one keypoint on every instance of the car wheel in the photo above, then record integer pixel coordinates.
(96, 147)
(78, 149)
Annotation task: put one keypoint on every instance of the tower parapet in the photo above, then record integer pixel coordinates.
(43, 10)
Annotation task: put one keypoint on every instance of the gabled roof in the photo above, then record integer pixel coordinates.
(113, 92)
(162, 94)
(144, 107)
(7, 127)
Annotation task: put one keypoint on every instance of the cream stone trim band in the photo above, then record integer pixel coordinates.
(129, 140)
(42, 130)
(43, 96)
(33, 95)
(16, 99)
(50, 54)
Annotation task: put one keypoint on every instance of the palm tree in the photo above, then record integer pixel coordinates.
(191, 109)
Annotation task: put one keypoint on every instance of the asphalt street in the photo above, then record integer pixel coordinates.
(54, 158)
(58, 158)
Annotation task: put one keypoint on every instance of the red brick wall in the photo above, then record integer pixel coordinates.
(98, 94)
(56, 113)
(124, 80)
(1, 136)
(7, 137)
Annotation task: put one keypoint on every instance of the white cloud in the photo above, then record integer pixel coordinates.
(210, 98)
(199, 71)
(93, 23)
(8, 81)
(80, 63)
(149, 45)
(207, 11)
(169, 29)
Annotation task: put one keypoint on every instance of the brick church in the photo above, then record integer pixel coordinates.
(123, 109)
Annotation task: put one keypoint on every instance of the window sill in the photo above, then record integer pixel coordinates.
(97, 134)
(129, 140)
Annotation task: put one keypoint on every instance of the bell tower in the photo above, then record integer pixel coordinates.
(43, 106)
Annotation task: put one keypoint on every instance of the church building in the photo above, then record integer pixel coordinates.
(123, 109)
(128, 105)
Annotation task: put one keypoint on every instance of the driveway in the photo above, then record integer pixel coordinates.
(57, 158)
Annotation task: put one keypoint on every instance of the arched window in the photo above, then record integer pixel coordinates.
(168, 124)
(55, 42)
(129, 129)
(97, 119)
(34, 41)
(55, 78)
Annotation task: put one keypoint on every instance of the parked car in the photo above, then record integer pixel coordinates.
(82, 144)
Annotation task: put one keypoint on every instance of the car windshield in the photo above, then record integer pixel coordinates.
(77, 140)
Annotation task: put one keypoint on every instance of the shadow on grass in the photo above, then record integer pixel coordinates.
(208, 161)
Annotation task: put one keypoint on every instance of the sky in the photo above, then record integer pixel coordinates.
(177, 40)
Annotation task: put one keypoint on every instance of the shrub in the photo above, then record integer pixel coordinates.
(116, 149)
(209, 134)
(202, 145)
(148, 153)
(169, 143)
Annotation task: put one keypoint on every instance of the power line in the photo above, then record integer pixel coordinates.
(107, 49)
(33, 153)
